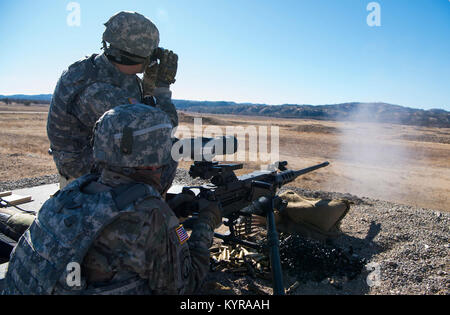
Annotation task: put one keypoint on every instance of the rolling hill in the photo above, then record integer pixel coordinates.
(355, 111)
(369, 112)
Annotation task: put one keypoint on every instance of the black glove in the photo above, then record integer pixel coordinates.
(210, 213)
(182, 204)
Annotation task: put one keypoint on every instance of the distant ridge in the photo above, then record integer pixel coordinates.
(370, 112)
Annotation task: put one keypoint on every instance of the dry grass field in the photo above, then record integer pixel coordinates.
(23, 142)
(404, 164)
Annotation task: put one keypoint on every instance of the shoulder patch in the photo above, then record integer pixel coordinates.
(132, 100)
(182, 235)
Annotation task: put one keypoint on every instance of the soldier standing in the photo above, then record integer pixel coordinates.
(116, 226)
(90, 87)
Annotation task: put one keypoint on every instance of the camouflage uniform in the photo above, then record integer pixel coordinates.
(84, 92)
(122, 233)
(90, 87)
(138, 253)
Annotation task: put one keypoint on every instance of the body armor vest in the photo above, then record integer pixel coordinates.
(62, 233)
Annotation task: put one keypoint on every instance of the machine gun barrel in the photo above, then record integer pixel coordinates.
(288, 176)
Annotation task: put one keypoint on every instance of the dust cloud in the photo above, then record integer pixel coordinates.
(372, 163)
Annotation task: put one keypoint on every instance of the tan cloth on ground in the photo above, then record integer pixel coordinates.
(314, 218)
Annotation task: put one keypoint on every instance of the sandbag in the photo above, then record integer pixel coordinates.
(13, 223)
(315, 218)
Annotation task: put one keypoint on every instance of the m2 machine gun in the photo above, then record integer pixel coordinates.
(244, 196)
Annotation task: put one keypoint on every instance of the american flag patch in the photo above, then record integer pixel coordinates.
(132, 100)
(182, 235)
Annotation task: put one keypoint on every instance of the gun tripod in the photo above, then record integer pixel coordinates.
(264, 207)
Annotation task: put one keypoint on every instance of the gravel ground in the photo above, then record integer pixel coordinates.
(385, 248)
(28, 182)
(407, 246)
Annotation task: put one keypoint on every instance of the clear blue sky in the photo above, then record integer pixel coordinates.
(260, 51)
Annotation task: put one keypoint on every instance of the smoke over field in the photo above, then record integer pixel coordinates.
(373, 156)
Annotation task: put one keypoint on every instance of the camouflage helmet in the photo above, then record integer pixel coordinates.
(133, 135)
(131, 32)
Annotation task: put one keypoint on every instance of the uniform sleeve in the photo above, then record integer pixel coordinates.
(163, 97)
(175, 266)
(95, 100)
